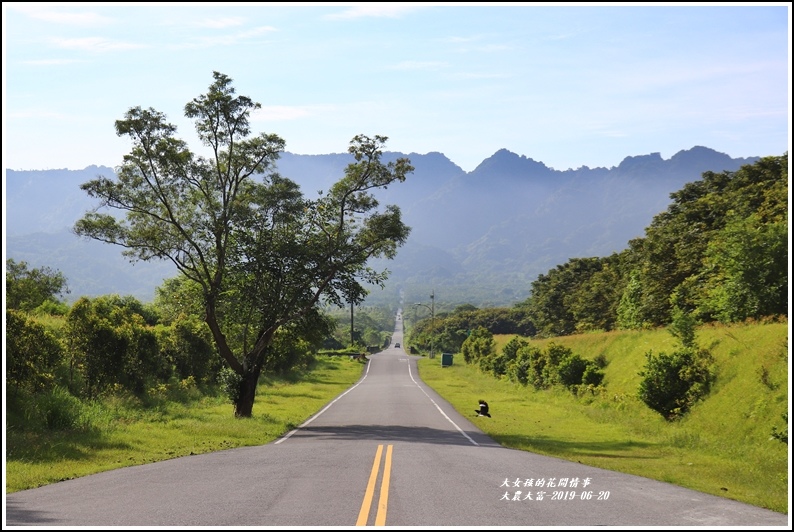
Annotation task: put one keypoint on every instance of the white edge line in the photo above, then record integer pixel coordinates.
(438, 407)
(315, 416)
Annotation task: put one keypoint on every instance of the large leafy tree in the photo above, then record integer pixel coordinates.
(261, 252)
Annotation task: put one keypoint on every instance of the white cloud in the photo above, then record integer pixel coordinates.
(561, 36)
(220, 22)
(255, 32)
(37, 113)
(44, 62)
(417, 65)
(490, 48)
(378, 10)
(458, 40)
(95, 44)
(54, 13)
(229, 39)
(469, 44)
(476, 75)
(279, 112)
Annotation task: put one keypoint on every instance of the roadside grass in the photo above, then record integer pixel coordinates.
(722, 447)
(121, 432)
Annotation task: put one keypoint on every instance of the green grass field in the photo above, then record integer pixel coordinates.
(723, 446)
(120, 433)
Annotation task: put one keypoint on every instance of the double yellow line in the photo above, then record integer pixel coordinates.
(383, 501)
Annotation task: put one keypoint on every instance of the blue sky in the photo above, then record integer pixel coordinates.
(569, 86)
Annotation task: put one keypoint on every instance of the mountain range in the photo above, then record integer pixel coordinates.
(478, 237)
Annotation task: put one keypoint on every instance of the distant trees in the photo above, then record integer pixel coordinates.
(262, 255)
(689, 248)
(449, 330)
(577, 296)
(747, 261)
(28, 289)
(373, 326)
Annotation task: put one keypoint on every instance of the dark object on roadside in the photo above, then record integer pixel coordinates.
(483, 410)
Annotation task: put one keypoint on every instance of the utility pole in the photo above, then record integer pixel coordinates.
(432, 321)
(432, 309)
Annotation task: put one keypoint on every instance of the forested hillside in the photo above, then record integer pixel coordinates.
(718, 253)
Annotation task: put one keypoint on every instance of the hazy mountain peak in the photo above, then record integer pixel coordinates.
(646, 162)
(506, 163)
(700, 156)
(473, 234)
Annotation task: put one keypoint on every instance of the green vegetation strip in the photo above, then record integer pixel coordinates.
(119, 433)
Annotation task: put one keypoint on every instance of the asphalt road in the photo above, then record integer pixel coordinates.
(388, 451)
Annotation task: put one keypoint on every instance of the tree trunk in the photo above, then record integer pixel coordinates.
(244, 405)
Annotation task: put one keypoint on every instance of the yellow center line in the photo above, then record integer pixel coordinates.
(363, 514)
(383, 500)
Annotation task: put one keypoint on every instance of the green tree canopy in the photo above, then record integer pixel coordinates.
(555, 303)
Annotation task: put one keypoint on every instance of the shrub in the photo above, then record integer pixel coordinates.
(600, 360)
(571, 370)
(672, 383)
(547, 366)
(32, 354)
(480, 344)
(58, 409)
(520, 369)
(592, 376)
(502, 362)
